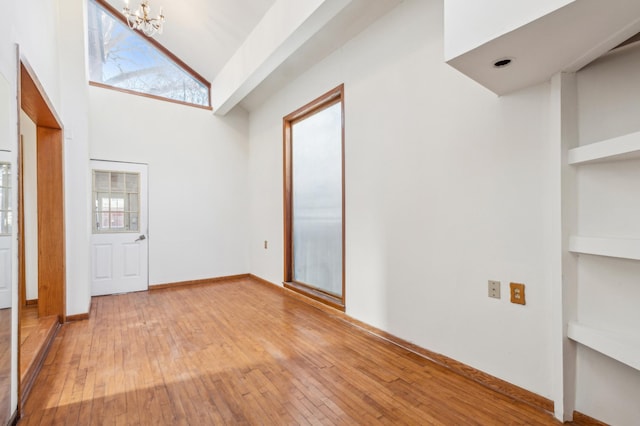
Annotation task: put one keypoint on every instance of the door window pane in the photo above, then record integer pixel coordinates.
(317, 200)
(133, 202)
(117, 182)
(116, 197)
(131, 180)
(102, 181)
(5, 199)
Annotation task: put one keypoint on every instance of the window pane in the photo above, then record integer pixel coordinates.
(122, 58)
(317, 200)
(101, 182)
(116, 220)
(133, 202)
(5, 222)
(132, 182)
(5, 198)
(133, 221)
(101, 221)
(117, 182)
(5, 175)
(102, 202)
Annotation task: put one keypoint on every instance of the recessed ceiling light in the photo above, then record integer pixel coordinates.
(501, 63)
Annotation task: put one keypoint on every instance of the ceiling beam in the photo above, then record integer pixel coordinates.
(284, 29)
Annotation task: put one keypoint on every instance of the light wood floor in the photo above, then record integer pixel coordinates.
(243, 353)
(35, 333)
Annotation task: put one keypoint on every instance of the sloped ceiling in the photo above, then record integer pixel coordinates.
(205, 33)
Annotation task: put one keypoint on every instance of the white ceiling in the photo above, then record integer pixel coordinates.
(565, 40)
(353, 19)
(204, 33)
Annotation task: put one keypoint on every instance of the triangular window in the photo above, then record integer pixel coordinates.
(124, 59)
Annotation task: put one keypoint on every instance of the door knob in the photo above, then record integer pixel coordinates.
(140, 238)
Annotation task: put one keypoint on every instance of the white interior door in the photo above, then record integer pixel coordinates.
(5, 230)
(119, 244)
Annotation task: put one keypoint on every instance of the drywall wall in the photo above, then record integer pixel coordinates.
(31, 26)
(197, 180)
(608, 206)
(50, 39)
(74, 111)
(30, 204)
(447, 186)
(6, 126)
(469, 24)
(35, 29)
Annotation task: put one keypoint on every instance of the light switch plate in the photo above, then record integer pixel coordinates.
(494, 289)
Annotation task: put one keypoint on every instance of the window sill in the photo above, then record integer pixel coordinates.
(148, 95)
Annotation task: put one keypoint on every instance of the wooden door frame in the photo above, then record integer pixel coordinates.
(33, 100)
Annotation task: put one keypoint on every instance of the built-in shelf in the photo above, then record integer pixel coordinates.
(612, 247)
(624, 348)
(621, 148)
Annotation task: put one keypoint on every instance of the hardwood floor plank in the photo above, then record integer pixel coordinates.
(243, 353)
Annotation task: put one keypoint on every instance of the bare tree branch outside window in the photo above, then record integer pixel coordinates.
(122, 58)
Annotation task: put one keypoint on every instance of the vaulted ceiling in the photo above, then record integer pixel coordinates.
(205, 33)
(288, 37)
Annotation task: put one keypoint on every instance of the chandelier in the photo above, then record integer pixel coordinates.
(140, 20)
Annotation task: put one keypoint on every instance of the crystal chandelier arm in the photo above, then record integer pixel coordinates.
(148, 26)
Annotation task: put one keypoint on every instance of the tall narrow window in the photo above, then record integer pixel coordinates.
(121, 58)
(314, 199)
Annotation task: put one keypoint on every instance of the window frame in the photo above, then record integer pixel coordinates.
(181, 64)
(327, 100)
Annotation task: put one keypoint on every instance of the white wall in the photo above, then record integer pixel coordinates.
(54, 48)
(35, 29)
(29, 24)
(197, 180)
(28, 132)
(6, 126)
(447, 187)
(469, 24)
(609, 206)
(74, 111)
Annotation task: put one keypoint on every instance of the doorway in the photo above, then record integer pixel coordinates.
(38, 324)
(119, 245)
(314, 199)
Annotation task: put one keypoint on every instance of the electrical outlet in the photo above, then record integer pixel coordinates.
(494, 289)
(517, 293)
